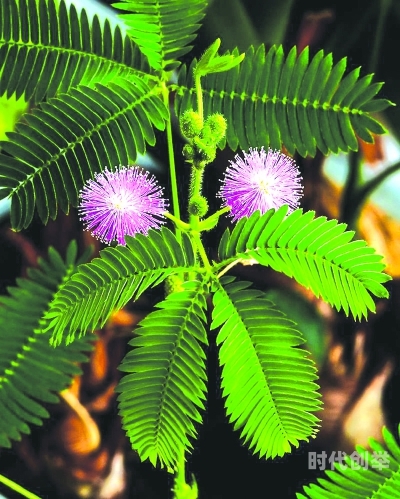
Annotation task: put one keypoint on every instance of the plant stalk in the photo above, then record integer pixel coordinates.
(18, 488)
(172, 168)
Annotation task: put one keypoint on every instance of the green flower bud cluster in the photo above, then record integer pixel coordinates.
(203, 138)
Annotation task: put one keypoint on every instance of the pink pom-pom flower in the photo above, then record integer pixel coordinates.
(123, 202)
(260, 181)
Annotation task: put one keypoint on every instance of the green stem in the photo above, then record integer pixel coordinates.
(199, 95)
(196, 175)
(364, 191)
(179, 223)
(171, 158)
(217, 214)
(228, 267)
(14, 486)
(348, 212)
(194, 222)
(221, 212)
(354, 197)
(200, 248)
(205, 224)
(196, 179)
(383, 10)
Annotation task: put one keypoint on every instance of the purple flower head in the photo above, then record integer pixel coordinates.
(261, 181)
(121, 202)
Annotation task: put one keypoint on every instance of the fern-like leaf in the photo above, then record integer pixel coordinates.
(160, 397)
(31, 372)
(301, 104)
(71, 137)
(121, 274)
(158, 28)
(268, 382)
(316, 252)
(46, 48)
(377, 478)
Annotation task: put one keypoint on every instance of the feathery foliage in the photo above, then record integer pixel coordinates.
(46, 48)
(268, 382)
(301, 104)
(31, 371)
(160, 397)
(157, 27)
(316, 252)
(70, 138)
(121, 274)
(378, 478)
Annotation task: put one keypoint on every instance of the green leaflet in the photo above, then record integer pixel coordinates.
(309, 322)
(69, 138)
(268, 382)
(46, 49)
(373, 479)
(316, 252)
(31, 371)
(157, 27)
(211, 62)
(301, 104)
(121, 274)
(165, 385)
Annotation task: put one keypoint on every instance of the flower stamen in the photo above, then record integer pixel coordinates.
(261, 181)
(123, 202)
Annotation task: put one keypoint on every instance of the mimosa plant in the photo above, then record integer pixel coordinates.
(97, 96)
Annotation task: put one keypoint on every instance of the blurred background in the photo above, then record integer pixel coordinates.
(81, 451)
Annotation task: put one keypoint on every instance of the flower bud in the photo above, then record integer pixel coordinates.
(191, 124)
(215, 127)
(198, 206)
(188, 152)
